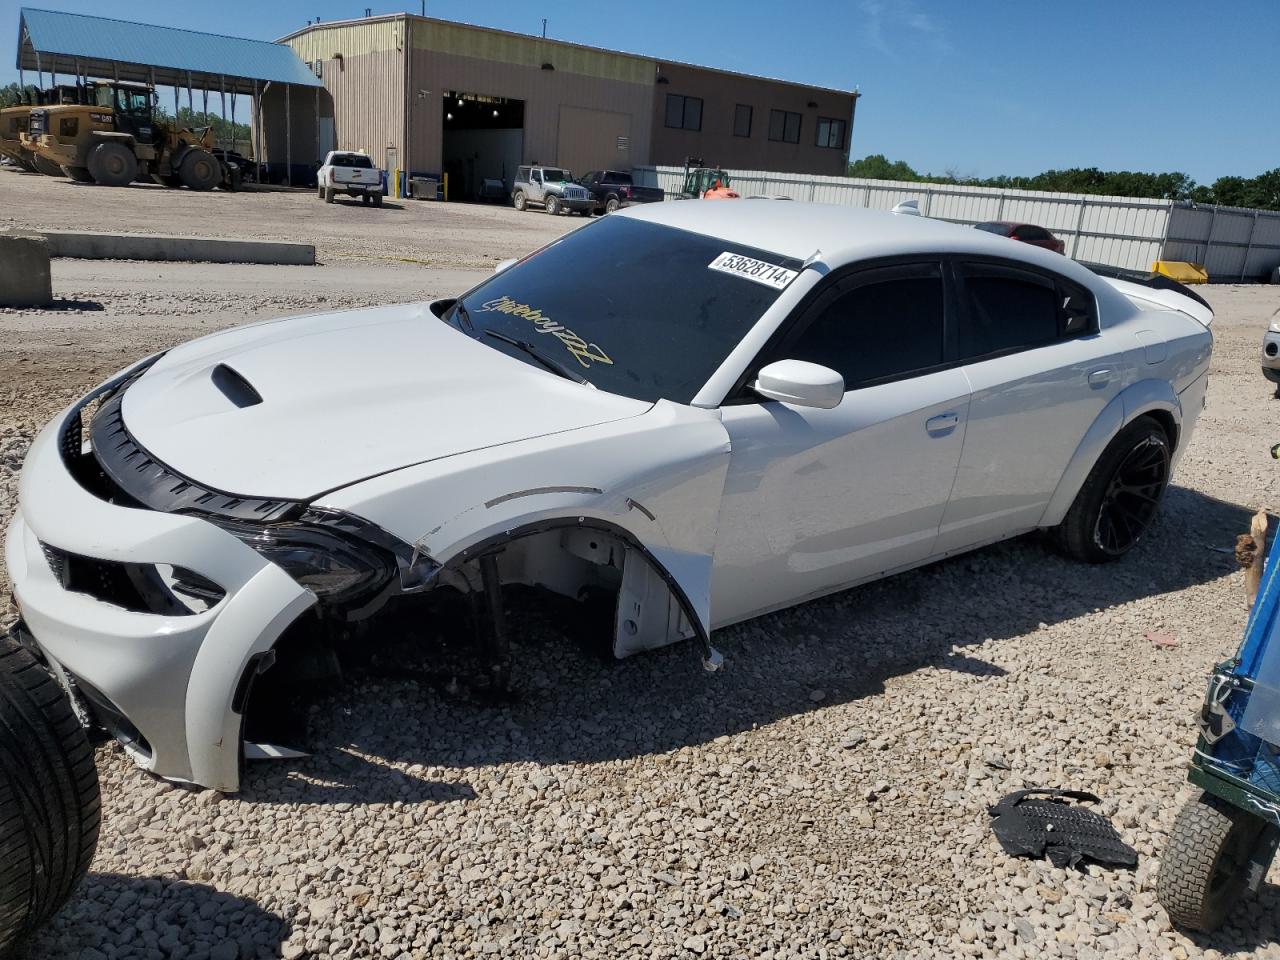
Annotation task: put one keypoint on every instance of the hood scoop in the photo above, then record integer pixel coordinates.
(232, 385)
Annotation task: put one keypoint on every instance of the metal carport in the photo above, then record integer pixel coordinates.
(99, 47)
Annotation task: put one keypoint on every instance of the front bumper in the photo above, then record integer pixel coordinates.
(1271, 356)
(173, 676)
(577, 204)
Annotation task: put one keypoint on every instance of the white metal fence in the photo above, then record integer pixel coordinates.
(1126, 233)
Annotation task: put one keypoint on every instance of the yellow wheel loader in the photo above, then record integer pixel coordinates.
(116, 140)
(14, 120)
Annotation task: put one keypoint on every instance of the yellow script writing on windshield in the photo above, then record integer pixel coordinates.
(585, 353)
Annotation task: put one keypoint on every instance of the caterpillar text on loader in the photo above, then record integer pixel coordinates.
(14, 120)
(705, 183)
(117, 138)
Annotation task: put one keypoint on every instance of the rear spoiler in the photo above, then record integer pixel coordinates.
(1158, 292)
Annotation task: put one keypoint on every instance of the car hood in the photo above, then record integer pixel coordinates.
(344, 397)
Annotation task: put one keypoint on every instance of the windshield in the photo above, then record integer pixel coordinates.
(553, 175)
(634, 308)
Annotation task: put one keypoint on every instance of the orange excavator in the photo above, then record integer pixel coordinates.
(706, 183)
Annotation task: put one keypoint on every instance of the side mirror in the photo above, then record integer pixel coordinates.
(503, 265)
(800, 383)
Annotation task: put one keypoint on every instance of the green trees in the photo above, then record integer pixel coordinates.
(11, 94)
(1262, 191)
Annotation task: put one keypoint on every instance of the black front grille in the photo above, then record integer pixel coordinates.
(137, 587)
(147, 481)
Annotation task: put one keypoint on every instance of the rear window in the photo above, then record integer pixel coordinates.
(613, 176)
(352, 160)
(636, 308)
(1003, 229)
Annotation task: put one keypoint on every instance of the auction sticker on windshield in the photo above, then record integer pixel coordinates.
(770, 274)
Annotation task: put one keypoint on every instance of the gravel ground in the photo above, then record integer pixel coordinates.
(825, 795)
(413, 231)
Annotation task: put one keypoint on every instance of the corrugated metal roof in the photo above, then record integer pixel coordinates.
(103, 40)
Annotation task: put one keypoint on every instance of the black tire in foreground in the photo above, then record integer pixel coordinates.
(113, 164)
(1205, 864)
(200, 169)
(1121, 495)
(49, 805)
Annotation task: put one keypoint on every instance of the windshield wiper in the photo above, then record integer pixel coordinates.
(555, 366)
(461, 313)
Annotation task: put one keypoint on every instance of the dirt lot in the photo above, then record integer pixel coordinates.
(416, 231)
(825, 795)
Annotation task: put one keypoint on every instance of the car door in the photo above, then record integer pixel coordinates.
(1040, 374)
(818, 499)
(536, 192)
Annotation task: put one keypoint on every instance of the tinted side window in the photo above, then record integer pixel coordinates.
(870, 329)
(1079, 310)
(1006, 310)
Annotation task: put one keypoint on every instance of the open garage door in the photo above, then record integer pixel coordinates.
(594, 140)
(483, 140)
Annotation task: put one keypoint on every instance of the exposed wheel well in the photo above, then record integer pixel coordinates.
(1166, 422)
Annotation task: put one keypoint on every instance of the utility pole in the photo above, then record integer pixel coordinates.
(544, 28)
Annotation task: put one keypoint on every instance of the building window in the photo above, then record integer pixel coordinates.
(784, 126)
(742, 120)
(684, 113)
(830, 133)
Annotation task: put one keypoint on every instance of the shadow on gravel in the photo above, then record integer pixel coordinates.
(1249, 928)
(84, 306)
(340, 776)
(576, 706)
(153, 916)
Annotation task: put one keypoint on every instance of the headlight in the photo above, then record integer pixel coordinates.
(335, 567)
(1275, 326)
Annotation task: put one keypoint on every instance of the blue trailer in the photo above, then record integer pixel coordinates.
(1223, 840)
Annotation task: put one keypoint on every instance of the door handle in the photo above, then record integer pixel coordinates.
(1099, 378)
(942, 423)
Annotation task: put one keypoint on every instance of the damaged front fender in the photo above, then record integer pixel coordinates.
(650, 484)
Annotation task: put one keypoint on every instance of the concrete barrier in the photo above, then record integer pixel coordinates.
(24, 270)
(115, 246)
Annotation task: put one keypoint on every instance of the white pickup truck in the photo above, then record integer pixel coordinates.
(352, 173)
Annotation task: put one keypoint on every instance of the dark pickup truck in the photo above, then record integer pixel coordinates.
(613, 189)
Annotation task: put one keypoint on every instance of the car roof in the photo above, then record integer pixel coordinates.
(840, 235)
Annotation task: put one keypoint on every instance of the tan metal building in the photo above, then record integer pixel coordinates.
(430, 96)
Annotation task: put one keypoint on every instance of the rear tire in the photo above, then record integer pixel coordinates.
(377, 199)
(200, 169)
(113, 164)
(1121, 496)
(78, 174)
(49, 802)
(611, 205)
(328, 194)
(518, 200)
(1205, 863)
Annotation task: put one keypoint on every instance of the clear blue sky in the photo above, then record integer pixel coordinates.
(976, 87)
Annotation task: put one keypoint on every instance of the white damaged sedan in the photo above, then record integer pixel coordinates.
(702, 412)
